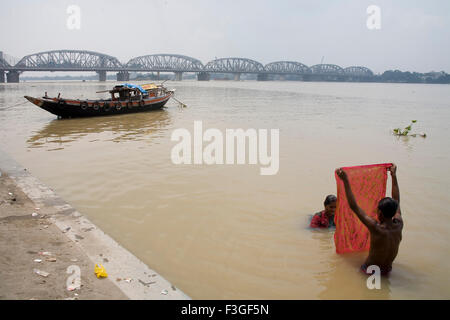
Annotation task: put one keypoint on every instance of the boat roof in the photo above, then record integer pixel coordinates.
(149, 86)
(134, 86)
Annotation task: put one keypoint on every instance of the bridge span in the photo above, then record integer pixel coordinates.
(82, 60)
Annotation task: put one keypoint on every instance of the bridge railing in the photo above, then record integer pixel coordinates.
(81, 60)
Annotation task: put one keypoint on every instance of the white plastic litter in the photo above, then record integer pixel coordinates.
(41, 273)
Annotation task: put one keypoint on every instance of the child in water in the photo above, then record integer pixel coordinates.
(325, 218)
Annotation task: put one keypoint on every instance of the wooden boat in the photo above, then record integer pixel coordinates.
(126, 98)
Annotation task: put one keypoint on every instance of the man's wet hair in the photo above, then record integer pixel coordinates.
(388, 207)
(329, 199)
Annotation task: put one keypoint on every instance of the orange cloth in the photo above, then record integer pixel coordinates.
(368, 184)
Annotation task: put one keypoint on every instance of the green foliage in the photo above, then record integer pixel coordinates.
(413, 77)
(406, 130)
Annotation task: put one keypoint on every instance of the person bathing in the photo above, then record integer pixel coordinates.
(386, 233)
(325, 218)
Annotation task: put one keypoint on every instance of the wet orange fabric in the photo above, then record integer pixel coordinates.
(368, 184)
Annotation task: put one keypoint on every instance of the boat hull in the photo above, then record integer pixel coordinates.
(66, 108)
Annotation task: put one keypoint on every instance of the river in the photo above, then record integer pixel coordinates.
(225, 231)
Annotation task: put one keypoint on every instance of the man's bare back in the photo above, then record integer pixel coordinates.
(385, 235)
(384, 244)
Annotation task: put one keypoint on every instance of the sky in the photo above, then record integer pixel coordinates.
(413, 35)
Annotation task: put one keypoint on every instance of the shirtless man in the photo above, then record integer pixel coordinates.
(385, 235)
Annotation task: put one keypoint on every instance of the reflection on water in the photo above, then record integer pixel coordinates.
(134, 126)
(409, 143)
(346, 266)
(353, 286)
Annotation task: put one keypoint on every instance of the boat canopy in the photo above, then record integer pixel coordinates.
(149, 86)
(134, 86)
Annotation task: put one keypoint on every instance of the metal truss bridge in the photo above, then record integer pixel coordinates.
(82, 60)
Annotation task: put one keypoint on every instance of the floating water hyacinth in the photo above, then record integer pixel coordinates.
(406, 130)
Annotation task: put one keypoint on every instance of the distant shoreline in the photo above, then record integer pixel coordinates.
(390, 76)
(64, 79)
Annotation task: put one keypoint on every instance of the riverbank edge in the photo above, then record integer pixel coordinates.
(95, 242)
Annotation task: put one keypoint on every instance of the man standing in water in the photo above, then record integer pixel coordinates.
(385, 235)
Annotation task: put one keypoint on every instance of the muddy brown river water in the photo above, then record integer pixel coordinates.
(225, 231)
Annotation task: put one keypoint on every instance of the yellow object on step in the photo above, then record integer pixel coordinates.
(100, 272)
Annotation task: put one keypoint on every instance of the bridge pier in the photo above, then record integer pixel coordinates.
(178, 76)
(122, 76)
(101, 75)
(12, 77)
(2, 76)
(237, 77)
(203, 76)
(262, 77)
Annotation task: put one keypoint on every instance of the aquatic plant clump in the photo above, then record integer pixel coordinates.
(406, 130)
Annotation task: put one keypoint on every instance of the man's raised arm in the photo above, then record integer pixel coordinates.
(369, 222)
(395, 188)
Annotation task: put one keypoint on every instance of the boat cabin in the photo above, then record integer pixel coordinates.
(134, 92)
(122, 93)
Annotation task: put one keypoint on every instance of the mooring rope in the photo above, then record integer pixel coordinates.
(16, 105)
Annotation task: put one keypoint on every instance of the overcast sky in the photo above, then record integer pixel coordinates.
(414, 35)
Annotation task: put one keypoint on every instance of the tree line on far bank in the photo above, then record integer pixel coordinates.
(413, 77)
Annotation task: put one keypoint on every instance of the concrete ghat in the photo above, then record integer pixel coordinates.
(92, 240)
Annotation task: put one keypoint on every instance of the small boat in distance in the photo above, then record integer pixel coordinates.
(126, 98)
